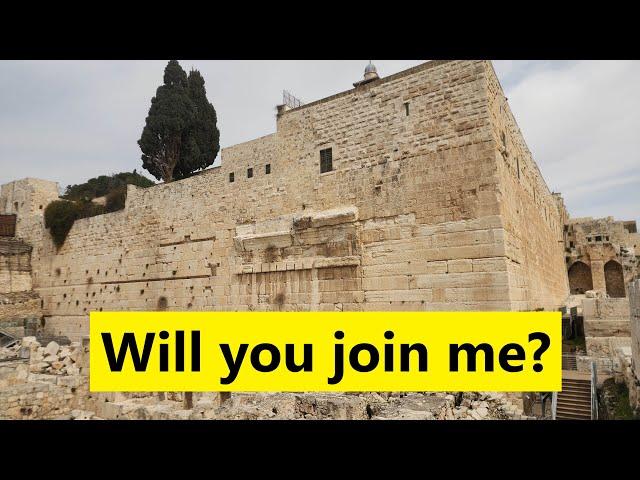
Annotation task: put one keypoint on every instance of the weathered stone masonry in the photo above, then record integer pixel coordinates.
(438, 206)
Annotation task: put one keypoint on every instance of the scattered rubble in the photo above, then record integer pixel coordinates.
(52, 359)
(49, 382)
(322, 406)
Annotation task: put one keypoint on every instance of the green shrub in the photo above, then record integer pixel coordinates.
(104, 184)
(116, 199)
(59, 217)
(89, 209)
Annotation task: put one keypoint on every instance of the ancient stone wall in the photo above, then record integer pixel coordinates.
(27, 198)
(421, 211)
(632, 373)
(20, 306)
(634, 300)
(15, 265)
(532, 216)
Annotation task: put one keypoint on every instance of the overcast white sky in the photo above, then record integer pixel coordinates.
(68, 121)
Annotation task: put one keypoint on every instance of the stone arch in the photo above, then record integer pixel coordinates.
(580, 279)
(614, 279)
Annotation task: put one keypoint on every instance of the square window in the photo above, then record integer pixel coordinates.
(267, 169)
(249, 172)
(598, 238)
(231, 177)
(326, 160)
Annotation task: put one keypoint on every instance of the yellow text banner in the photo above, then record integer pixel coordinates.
(325, 351)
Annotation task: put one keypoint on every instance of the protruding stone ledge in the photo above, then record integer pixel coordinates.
(326, 218)
(262, 241)
(298, 264)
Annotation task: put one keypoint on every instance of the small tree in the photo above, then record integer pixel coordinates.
(180, 134)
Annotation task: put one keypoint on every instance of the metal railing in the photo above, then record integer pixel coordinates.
(290, 100)
(569, 361)
(594, 391)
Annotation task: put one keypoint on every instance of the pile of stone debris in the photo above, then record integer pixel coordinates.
(324, 406)
(56, 363)
(52, 359)
(375, 406)
(10, 351)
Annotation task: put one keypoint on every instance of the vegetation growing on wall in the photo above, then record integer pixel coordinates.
(115, 199)
(60, 215)
(104, 185)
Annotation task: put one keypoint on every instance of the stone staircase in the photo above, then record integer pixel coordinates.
(574, 401)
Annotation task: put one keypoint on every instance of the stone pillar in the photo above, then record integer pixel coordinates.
(597, 274)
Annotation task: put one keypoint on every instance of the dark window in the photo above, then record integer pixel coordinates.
(249, 172)
(406, 108)
(518, 166)
(588, 239)
(571, 244)
(231, 177)
(606, 238)
(326, 160)
(598, 238)
(267, 169)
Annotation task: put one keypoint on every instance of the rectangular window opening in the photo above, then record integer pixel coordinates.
(406, 109)
(249, 172)
(326, 160)
(231, 177)
(267, 169)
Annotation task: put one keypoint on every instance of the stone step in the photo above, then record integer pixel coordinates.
(580, 388)
(574, 399)
(570, 416)
(578, 410)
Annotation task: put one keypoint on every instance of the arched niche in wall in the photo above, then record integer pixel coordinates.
(580, 279)
(614, 279)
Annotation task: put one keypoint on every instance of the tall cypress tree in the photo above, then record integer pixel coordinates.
(201, 141)
(180, 134)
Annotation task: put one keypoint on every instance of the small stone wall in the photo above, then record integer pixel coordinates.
(606, 325)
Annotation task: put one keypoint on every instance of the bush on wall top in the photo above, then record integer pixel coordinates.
(59, 217)
(104, 184)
